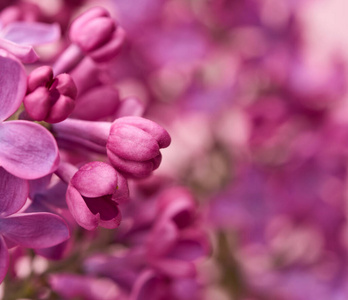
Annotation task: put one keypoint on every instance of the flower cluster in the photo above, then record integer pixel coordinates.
(245, 199)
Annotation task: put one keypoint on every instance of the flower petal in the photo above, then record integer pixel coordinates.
(95, 179)
(13, 193)
(31, 33)
(24, 53)
(27, 150)
(4, 259)
(13, 84)
(132, 143)
(79, 209)
(35, 230)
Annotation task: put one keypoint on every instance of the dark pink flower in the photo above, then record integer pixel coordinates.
(93, 196)
(49, 99)
(134, 144)
(97, 34)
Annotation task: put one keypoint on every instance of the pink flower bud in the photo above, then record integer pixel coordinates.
(97, 34)
(133, 145)
(49, 99)
(93, 195)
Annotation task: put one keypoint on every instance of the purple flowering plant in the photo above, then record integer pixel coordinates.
(173, 150)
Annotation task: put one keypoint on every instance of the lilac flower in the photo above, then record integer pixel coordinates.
(132, 143)
(27, 150)
(31, 230)
(95, 34)
(49, 99)
(94, 193)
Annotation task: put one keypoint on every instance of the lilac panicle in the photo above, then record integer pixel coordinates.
(133, 145)
(94, 193)
(49, 99)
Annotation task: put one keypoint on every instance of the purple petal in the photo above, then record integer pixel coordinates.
(35, 230)
(13, 193)
(39, 186)
(24, 53)
(106, 210)
(162, 238)
(155, 130)
(95, 179)
(4, 259)
(13, 84)
(79, 209)
(27, 150)
(132, 143)
(31, 33)
(131, 168)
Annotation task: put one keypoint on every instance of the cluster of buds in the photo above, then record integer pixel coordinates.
(45, 192)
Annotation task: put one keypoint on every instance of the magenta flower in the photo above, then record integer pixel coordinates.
(97, 34)
(133, 145)
(49, 99)
(94, 193)
(30, 230)
(27, 150)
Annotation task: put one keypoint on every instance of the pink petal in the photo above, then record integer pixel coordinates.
(13, 193)
(27, 150)
(13, 84)
(4, 259)
(131, 168)
(79, 209)
(24, 53)
(35, 230)
(155, 130)
(107, 211)
(95, 179)
(31, 33)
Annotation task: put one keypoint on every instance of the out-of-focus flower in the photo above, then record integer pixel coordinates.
(71, 286)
